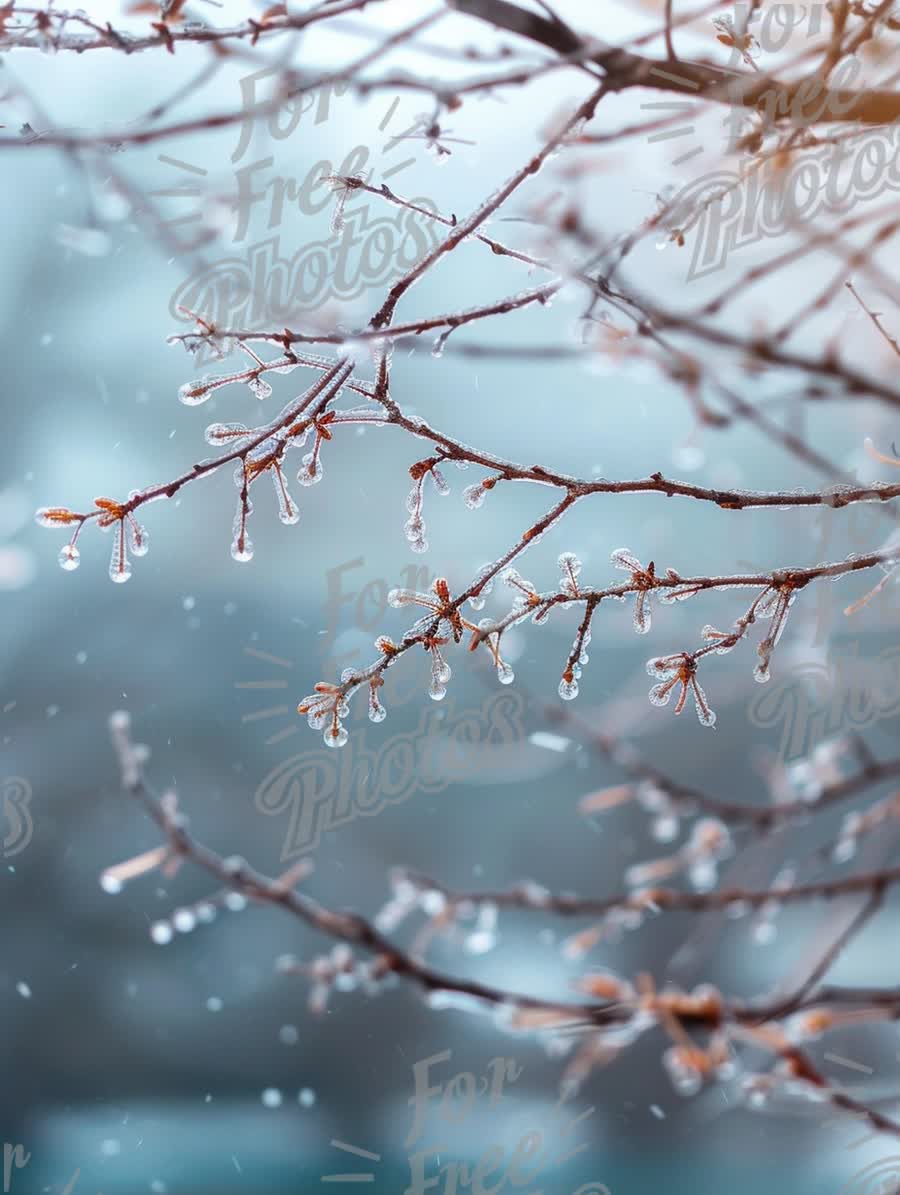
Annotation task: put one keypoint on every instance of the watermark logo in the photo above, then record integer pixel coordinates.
(15, 798)
(266, 283)
(319, 790)
(323, 790)
(729, 209)
(445, 1108)
(14, 1158)
(812, 702)
(878, 1178)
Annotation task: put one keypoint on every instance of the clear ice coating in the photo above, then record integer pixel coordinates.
(288, 511)
(119, 566)
(219, 434)
(485, 588)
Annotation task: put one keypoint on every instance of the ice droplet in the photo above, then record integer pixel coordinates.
(761, 673)
(377, 712)
(338, 222)
(161, 933)
(184, 920)
(242, 552)
(474, 495)
(260, 387)
(336, 738)
(69, 558)
(764, 933)
(310, 474)
(665, 827)
(139, 539)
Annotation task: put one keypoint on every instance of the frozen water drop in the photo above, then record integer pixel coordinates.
(139, 540)
(311, 472)
(473, 496)
(260, 387)
(184, 920)
(69, 558)
(161, 933)
(336, 738)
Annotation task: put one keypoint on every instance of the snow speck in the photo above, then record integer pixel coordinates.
(550, 742)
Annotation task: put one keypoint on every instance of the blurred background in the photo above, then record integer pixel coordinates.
(191, 1065)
